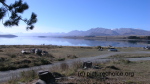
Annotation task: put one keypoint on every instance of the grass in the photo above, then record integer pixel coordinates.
(133, 55)
(26, 76)
(133, 73)
(61, 59)
(11, 58)
(15, 62)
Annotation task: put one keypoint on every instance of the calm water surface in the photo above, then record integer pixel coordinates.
(69, 42)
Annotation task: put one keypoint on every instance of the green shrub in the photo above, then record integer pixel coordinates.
(1, 51)
(2, 59)
(125, 61)
(98, 47)
(133, 37)
(13, 56)
(44, 61)
(61, 59)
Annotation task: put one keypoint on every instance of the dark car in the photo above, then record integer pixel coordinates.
(147, 47)
(112, 49)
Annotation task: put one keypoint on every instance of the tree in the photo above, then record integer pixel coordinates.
(15, 10)
(133, 37)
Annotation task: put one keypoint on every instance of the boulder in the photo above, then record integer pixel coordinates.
(40, 82)
(38, 51)
(47, 77)
(96, 67)
(57, 75)
(87, 64)
(44, 53)
(33, 50)
(112, 67)
(25, 52)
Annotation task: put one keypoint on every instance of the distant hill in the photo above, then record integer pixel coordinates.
(94, 32)
(8, 36)
(131, 31)
(109, 32)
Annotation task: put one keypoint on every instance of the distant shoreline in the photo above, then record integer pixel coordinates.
(123, 38)
(8, 36)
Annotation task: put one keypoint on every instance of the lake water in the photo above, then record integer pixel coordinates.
(69, 42)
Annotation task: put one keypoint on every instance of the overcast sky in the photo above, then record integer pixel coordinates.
(67, 15)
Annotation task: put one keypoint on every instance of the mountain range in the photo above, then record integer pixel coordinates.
(97, 32)
(109, 32)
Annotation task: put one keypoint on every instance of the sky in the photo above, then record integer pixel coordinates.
(68, 15)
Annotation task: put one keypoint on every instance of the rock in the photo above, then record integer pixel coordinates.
(87, 64)
(47, 77)
(33, 50)
(20, 83)
(25, 52)
(38, 51)
(40, 82)
(96, 67)
(57, 75)
(113, 67)
(44, 53)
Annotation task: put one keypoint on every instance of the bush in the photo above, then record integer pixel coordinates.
(2, 59)
(1, 51)
(61, 59)
(133, 37)
(98, 47)
(24, 66)
(7, 67)
(13, 56)
(44, 61)
(72, 56)
(125, 61)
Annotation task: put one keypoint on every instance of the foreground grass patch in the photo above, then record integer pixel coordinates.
(11, 57)
(14, 61)
(129, 55)
(120, 72)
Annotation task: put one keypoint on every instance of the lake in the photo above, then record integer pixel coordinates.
(70, 42)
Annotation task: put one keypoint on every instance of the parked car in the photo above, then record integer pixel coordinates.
(147, 47)
(112, 49)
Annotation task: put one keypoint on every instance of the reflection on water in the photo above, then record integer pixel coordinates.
(70, 42)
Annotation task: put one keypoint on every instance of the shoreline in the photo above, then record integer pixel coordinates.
(119, 38)
(59, 46)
